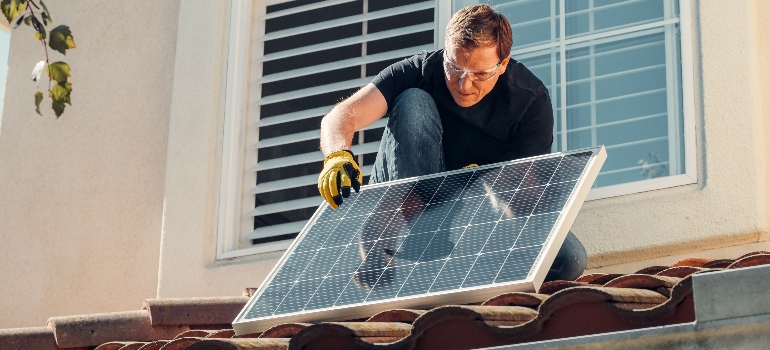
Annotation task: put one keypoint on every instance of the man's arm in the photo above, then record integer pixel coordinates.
(354, 113)
(341, 171)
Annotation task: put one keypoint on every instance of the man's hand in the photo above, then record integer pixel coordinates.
(340, 172)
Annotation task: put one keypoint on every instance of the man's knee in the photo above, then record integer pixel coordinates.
(415, 109)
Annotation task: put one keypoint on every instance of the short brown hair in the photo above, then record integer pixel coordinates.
(480, 25)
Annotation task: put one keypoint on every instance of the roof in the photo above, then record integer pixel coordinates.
(592, 304)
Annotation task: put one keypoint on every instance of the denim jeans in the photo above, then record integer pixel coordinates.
(411, 146)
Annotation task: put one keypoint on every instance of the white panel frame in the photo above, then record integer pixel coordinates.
(530, 284)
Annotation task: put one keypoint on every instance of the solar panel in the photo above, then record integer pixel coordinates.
(454, 237)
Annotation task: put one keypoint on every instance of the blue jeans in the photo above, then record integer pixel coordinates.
(411, 146)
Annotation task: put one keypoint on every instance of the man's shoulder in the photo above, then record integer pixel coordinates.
(519, 77)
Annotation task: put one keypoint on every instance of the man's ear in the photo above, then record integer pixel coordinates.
(504, 64)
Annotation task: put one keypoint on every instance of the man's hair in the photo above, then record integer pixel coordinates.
(478, 26)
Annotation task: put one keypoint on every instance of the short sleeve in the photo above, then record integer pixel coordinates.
(399, 77)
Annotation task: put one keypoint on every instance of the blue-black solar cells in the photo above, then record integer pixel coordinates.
(269, 300)
(536, 230)
(504, 235)
(375, 225)
(293, 267)
(472, 239)
(394, 197)
(464, 230)
(349, 261)
(481, 182)
(453, 274)
(317, 235)
(432, 216)
(440, 246)
(327, 293)
(522, 203)
(342, 234)
(411, 248)
(510, 177)
(571, 167)
(390, 282)
(421, 278)
(462, 212)
(322, 262)
(493, 207)
(485, 269)
(298, 296)
(554, 197)
(422, 192)
(366, 201)
(518, 264)
(451, 188)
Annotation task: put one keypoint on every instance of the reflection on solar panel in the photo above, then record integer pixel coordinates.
(460, 236)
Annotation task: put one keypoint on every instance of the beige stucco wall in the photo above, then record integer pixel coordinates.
(81, 197)
(727, 207)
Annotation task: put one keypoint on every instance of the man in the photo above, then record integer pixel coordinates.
(467, 104)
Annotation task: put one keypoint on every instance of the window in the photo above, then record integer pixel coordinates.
(615, 64)
(306, 56)
(617, 67)
(5, 45)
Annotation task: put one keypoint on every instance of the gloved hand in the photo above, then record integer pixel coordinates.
(341, 172)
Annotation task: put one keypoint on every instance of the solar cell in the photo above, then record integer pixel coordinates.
(459, 236)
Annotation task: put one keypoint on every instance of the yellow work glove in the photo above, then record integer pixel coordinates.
(340, 172)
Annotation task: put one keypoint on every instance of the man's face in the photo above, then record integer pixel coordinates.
(470, 74)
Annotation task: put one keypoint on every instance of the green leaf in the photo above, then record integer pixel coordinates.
(61, 93)
(58, 108)
(58, 71)
(17, 22)
(12, 8)
(61, 39)
(38, 99)
(38, 26)
(40, 35)
(46, 14)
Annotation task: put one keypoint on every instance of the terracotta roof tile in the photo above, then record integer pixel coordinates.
(751, 260)
(32, 338)
(595, 303)
(155, 345)
(194, 311)
(396, 315)
(95, 329)
(651, 270)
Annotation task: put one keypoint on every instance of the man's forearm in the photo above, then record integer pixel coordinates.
(337, 129)
(356, 112)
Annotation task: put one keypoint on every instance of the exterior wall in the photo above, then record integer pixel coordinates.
(188, 265)
(727, 207)
(729, 204)
(81, 197)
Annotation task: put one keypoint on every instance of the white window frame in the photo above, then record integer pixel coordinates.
(690, 173)
(236, 200)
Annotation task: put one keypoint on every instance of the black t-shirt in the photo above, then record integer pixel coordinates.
(514, 120)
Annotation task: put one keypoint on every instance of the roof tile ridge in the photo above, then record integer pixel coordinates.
(751, 260)
(284, 330)
(193, 311)
(664, 310)
(241, 343)
(343, 330)
(643, 281)
(95, 329)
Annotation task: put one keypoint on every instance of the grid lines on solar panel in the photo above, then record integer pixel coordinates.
(463, 230)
